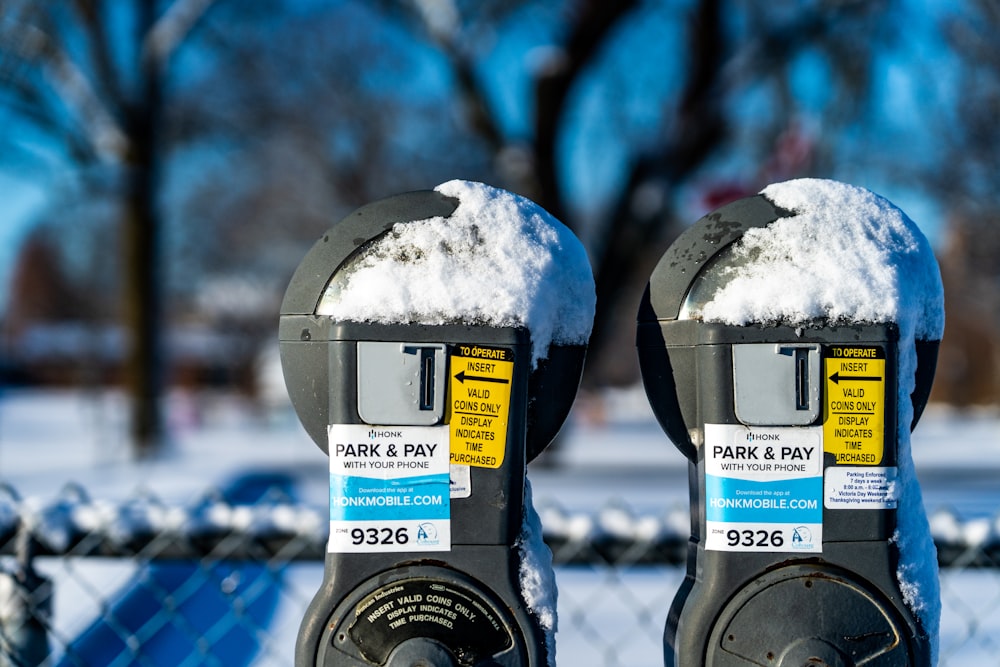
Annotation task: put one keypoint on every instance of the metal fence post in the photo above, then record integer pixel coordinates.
(25, 608)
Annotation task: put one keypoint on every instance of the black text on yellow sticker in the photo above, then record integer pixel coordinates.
(479, 401)
(854, 411)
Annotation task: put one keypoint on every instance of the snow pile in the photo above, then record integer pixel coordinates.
(498, 260)
(565, 527)
(538, 581)
(74, 517)
(850, 256)
(847, 255)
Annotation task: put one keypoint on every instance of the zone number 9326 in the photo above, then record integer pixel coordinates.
(379, 536)
(755, 538)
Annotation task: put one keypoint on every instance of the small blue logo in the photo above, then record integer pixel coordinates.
(427, 534)
(802, 538)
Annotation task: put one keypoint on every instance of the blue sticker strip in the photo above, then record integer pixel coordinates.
(735, 500)
(407, 498)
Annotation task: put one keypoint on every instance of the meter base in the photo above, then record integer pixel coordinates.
(793, 613)
(421, 612)
(814, 616)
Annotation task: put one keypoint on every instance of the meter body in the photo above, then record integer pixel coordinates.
(791, 437)
(428, 428)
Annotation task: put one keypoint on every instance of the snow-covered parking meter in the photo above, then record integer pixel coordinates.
(432, 344)
(787, 343)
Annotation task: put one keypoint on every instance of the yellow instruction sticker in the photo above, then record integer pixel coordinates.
(854, 412)
(479, 404)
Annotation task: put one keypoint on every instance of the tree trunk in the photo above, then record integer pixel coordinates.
(141, 237)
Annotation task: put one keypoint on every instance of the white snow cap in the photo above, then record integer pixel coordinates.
(846, 254)
(499, 260)
(851, 257)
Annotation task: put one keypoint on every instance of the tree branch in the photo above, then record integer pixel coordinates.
(593, 22)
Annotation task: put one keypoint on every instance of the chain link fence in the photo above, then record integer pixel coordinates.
(226, 581)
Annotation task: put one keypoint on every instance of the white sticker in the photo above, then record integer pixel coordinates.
(389, 488)
(461, 481)
(860, 488)
(763, 488)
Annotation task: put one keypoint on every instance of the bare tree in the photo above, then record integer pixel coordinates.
(698, 122)
(306, 110)
(90, 75)
(965, 178)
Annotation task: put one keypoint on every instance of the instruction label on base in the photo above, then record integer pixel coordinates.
(763, 488)
(389, 488)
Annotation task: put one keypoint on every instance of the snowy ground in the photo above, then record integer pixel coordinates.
(617, 452)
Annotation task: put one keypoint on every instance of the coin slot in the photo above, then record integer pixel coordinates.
(801, 378)
(427, 378)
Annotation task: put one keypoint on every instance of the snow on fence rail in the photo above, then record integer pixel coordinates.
(74, 524)
(85, 581)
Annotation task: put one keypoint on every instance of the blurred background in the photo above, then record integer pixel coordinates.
(165, 165)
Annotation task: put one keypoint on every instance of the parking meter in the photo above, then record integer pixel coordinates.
(791, 425)
(428, 424)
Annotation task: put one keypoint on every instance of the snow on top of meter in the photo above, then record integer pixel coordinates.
(499, 260)
(849, 256)
(845, 254)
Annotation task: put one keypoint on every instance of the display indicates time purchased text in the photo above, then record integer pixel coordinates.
(854, 411)
(389, 488)
(480, 379)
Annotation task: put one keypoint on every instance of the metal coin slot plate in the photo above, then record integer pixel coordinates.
(401, 383)
(777, 384)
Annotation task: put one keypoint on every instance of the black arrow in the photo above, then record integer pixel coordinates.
(462, 377)
(837, 377)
